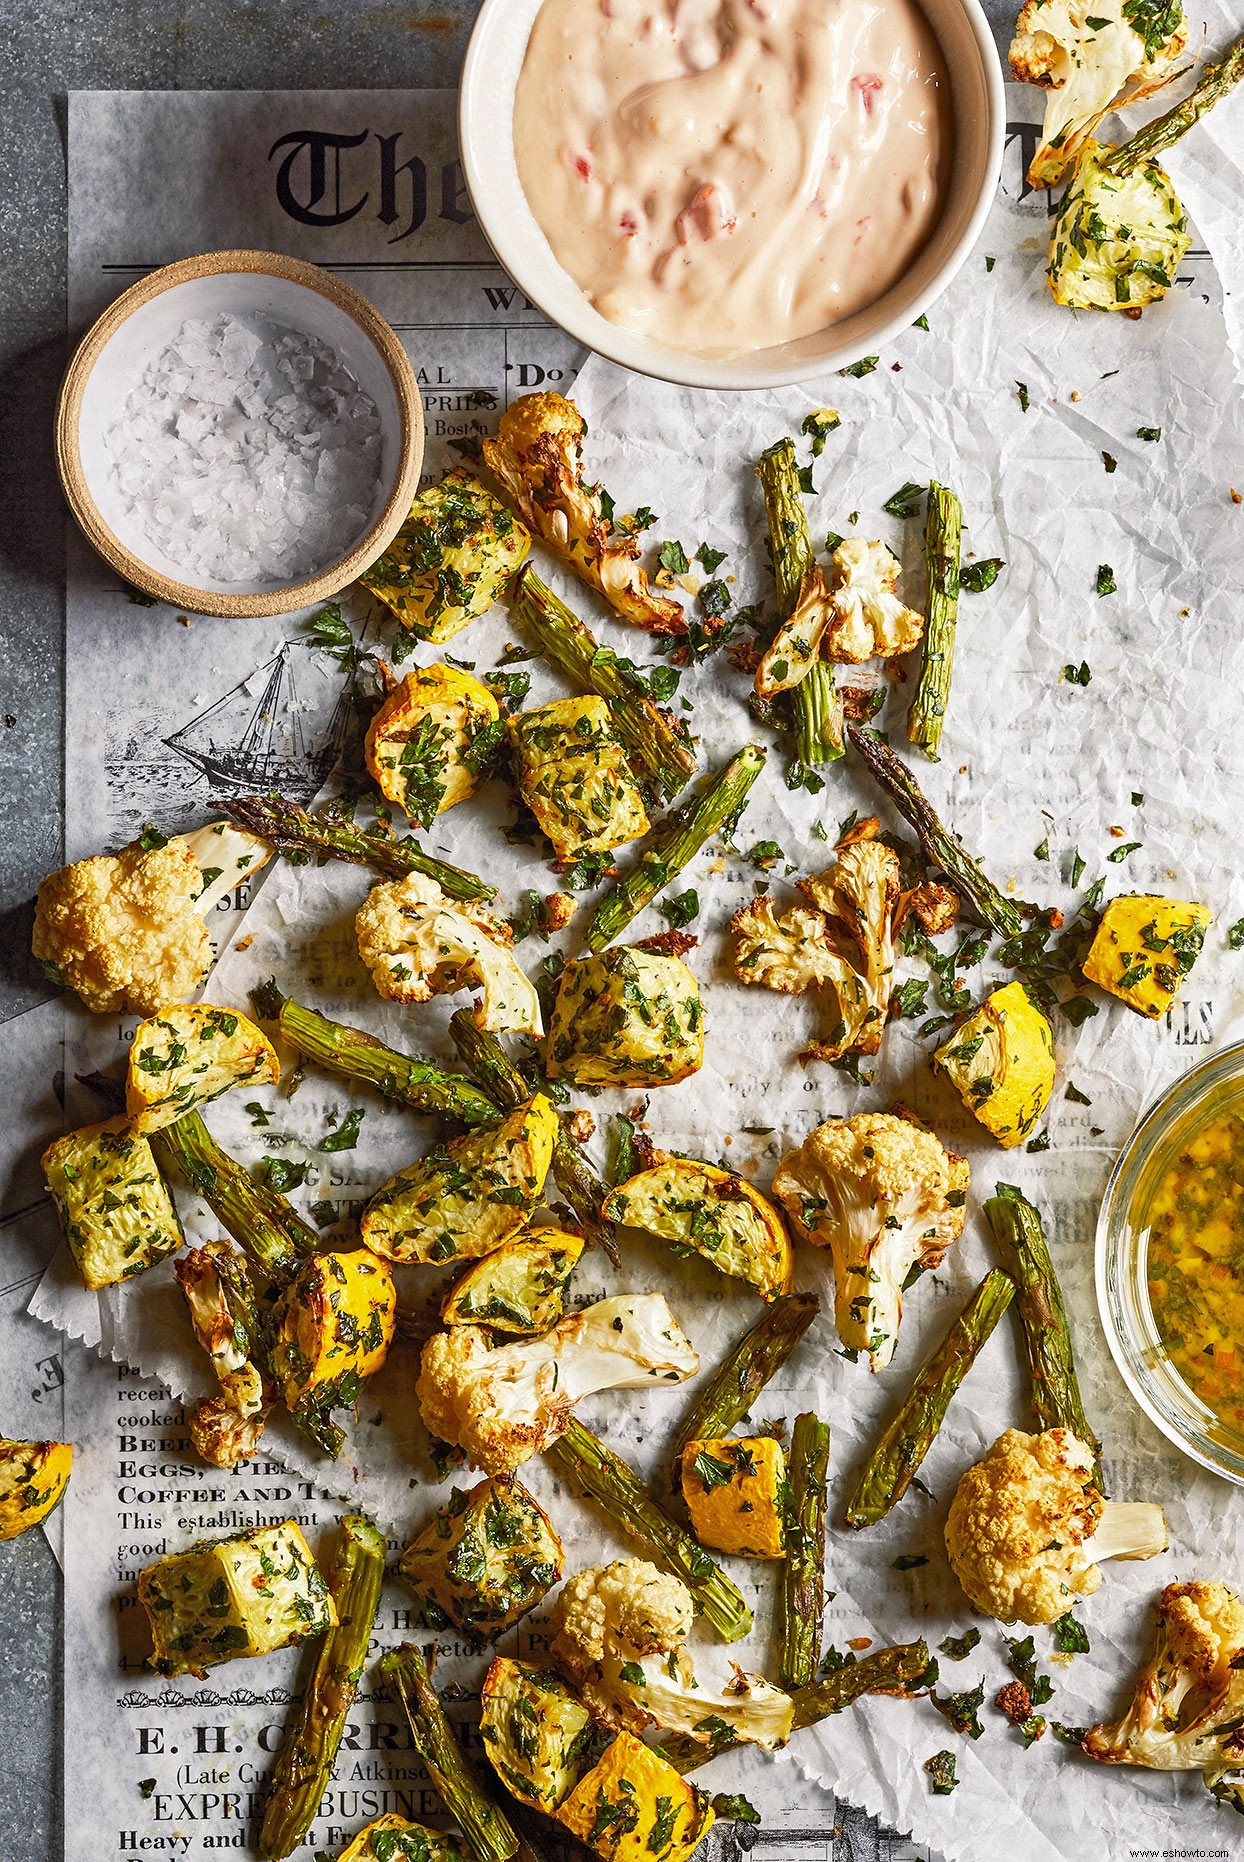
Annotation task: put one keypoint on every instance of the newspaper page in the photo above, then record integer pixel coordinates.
(166, 712)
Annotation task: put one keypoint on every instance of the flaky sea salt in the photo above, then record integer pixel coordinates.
(247, 452)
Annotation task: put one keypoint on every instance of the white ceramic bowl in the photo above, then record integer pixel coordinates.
(485, 130)
(110, 360)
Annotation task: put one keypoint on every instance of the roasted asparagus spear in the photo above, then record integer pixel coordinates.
(1055, 1387)
(359, 1056)
(1164, 130)
(802, 1607)
(293, 831)
(817, 706)
(598, 1472)
(305, 1766)
(676, 841)
(758, 1356)
(261, 1222)
(942, 532)
(488, 1832)
(885, 1671)
(908, 1436)
(652, 738)
(941, 848)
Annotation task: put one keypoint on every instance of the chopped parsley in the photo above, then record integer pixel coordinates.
(864, 366)
(962, 1710)
(818, 427)
(1078, 675)
(282, 1174)
(1106, 584)
(330, 632)
(347, 1135)
(681, 909)
(734, 1808)
(674, 558)
(1070, 1635)
(905, 502)
(1148, 433)
(958, 1648)
(975, 577)
(941, 1770)
(1021, 389)
(1021, 1659)
(712, 1471)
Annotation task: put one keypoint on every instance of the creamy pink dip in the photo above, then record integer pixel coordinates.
(723, 175)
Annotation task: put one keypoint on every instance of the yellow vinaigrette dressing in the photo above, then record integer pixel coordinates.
(1195, 1219)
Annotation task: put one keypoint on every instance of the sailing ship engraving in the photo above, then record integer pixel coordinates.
(246, 742)
(283, 727)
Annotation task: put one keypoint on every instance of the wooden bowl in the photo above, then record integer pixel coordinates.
(109, 362)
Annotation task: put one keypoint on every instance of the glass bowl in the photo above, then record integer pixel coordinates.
(1203, 1093)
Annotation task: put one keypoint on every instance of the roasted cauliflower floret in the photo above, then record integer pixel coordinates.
(866, 618)
(1090, 57)
(1144, 947)
(628, 1017)
(695, 1205)
(848, 615)
(1188, 1707)
(243, 1595)
(126, 931)
(224, 1311)
(450, 560)
(573, 774)
(33, 1479)
(118, 1217)
(1027, 1527)
(884, 1196)
(418, 944)
(464, 1199)
(505, 1405)
(618, 1636)
(1002, 1061)
(185, 1056)
(483, 1559)
(537, 458)
(1118, 239)
(841, 943)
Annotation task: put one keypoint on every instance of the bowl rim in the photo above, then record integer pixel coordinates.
(642, 354)
(310, 589)
(1221, 1059)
